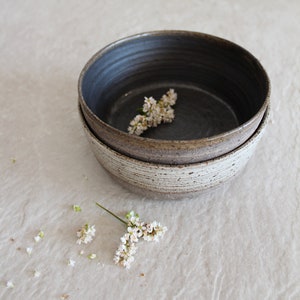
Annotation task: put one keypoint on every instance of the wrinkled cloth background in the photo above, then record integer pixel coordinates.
(240, 242)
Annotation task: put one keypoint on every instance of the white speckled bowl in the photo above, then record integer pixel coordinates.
(173, 181)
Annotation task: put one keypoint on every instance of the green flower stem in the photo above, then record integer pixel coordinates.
(112, 213)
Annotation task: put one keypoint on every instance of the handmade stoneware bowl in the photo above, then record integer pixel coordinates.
(172, 181)
(223, 92)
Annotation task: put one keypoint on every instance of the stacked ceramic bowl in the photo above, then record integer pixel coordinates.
(220, 112)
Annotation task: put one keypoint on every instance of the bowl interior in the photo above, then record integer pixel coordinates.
(219, 84)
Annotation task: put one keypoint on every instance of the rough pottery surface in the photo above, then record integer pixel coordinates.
(173, 181)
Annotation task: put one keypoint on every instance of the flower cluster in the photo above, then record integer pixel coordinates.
(154, 113)
(85, 234)
(136, 230)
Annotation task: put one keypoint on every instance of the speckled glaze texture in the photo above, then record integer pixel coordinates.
(173, 181)
(199, 67)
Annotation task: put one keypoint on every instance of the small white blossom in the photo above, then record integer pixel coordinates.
(168, 115)
(170, 98)
(124, 254)
(154, 231)
(132, 217)
(29, 250)
(132, 234)
(149, 104)
(36, 273)
(10, 284)
(71, 262)
(85, 234)
(138, 125)
(39, 236)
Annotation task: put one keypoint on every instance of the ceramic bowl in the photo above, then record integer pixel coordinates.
(223, 92)
(172, 181)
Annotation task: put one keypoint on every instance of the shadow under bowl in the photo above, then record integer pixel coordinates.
(223, 92)
(163, 181)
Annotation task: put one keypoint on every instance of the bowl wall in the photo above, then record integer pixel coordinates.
(173, 181)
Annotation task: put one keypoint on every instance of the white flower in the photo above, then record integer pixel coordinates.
(168, 115)
(149, 104)
(71, 262)
(36, 273)
(139, 229)
(132, 217)
(138, 125)
(10, 284)
(132, 234)
(85, 234)
(39, 236)
(170, 98)
(124, 254)
(154, 231)
(29, 250)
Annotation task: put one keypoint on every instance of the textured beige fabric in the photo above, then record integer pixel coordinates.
(240, 242)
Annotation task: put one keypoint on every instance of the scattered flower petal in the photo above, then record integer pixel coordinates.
(37, 239)
(10, 284)
(71, 262)
(39, 236)
(92, 256)
(36, 273)
(64, 296)
(81, 252)
(29, 250)
(76, 208)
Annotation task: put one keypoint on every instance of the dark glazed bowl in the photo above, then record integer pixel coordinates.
(223, 92)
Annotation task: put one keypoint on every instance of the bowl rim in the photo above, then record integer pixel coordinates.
(258, 132)
(163, 142)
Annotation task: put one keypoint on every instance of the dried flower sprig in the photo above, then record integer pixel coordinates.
(136, 230)
(154, 113)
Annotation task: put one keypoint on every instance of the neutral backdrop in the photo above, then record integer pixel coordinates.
(241, 242)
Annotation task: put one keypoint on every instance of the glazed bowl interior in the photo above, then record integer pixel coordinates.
(220, 85)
